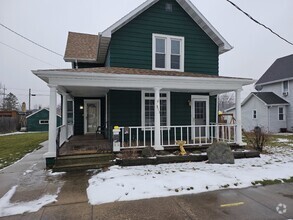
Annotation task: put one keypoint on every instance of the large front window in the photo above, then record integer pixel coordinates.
(148, 108)
(168, 52)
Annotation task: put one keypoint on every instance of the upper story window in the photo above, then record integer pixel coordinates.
(168, 52)
(253, 114)
(285, 88)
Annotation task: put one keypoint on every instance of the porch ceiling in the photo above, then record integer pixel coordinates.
(98, 80)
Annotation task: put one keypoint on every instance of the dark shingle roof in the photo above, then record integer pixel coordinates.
(270, 98)
(282, 68)
(81, 47)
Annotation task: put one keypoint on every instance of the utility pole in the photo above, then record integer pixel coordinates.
(29, 98)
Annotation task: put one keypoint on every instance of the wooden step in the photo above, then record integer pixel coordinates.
(82, 166)
(83, 159)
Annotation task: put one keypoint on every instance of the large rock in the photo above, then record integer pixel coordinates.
(220, 153)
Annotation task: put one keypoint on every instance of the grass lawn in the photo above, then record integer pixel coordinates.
(14, 147)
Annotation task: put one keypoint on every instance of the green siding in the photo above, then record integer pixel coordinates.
(125, 108)
(131, 46)
(78, 114)
(33, 121)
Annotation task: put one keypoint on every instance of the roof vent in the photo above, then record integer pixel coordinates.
(169, 7)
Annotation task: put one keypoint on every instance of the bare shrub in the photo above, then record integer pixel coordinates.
(131, 153)
(257, 138)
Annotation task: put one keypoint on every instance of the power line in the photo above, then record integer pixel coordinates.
(30, 40)
(27, 54)
(253, 19)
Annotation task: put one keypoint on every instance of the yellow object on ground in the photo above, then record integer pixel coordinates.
(181, 146)
(232, 204)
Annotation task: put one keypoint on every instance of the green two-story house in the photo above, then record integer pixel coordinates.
(153, 75)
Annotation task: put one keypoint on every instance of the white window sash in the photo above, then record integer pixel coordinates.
(168, 51)
(143, 98)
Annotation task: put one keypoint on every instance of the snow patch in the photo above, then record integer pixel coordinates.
(7, 208)
(141, 182)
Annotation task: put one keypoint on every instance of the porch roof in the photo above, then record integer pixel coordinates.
(130, 78)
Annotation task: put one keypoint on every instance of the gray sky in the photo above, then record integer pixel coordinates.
(47, 22)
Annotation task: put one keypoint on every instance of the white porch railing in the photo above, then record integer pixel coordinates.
(61, 134)
(193, 135)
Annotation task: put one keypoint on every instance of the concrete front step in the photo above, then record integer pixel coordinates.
(82, 166)
(83, 159)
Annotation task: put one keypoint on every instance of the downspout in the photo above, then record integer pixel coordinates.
(269, 118)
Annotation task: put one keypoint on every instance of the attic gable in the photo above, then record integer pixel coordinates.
(189, 8)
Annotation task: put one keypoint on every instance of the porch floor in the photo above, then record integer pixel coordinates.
(86, 144)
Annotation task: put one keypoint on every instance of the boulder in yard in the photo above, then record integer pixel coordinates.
(148, 152)
(220, 153)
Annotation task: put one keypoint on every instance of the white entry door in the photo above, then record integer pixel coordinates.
(199, 116)
(92, 115)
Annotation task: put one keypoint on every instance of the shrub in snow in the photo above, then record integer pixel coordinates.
(257, 138)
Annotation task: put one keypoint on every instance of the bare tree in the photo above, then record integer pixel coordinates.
(226, 100)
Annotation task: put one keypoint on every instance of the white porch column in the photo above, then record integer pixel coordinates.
(157, 120)
(64, 113)
(238, 117)
(52, 123)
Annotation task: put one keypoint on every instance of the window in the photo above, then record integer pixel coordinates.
(281, 114)
(70, 112)
(168, 52)
(253, 114)
(285, 88)
(44, 122)
(148, 108)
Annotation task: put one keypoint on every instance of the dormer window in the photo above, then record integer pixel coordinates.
(168, 52)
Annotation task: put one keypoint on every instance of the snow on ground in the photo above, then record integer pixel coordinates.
(7, 208)
(141, 182)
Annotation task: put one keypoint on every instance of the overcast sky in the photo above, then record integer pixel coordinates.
(47, 22)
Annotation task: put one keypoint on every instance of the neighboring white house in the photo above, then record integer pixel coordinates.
(272, 107)
(263, 109)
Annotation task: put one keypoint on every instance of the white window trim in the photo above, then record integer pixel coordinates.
(143, 92)
(168, 52)
(88, 101)
(253, 114)
(200, 98)
(284, 113)
(41, 122)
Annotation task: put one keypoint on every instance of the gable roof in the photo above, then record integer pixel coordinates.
(268, 98)
(280, 70)
(36, 112)
(189, 8)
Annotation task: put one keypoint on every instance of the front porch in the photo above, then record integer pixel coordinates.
(146, 108)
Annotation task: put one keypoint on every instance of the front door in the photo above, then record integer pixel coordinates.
(199, 116)
(92, 116)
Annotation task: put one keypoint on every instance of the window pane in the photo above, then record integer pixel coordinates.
(160, 45)
(175, 62)
(285, 86)
(160, 60)
(175, 47)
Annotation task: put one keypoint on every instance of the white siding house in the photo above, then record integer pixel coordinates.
(262, 109)
(272, 107)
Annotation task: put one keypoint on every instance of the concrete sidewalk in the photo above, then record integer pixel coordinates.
(34, 181)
